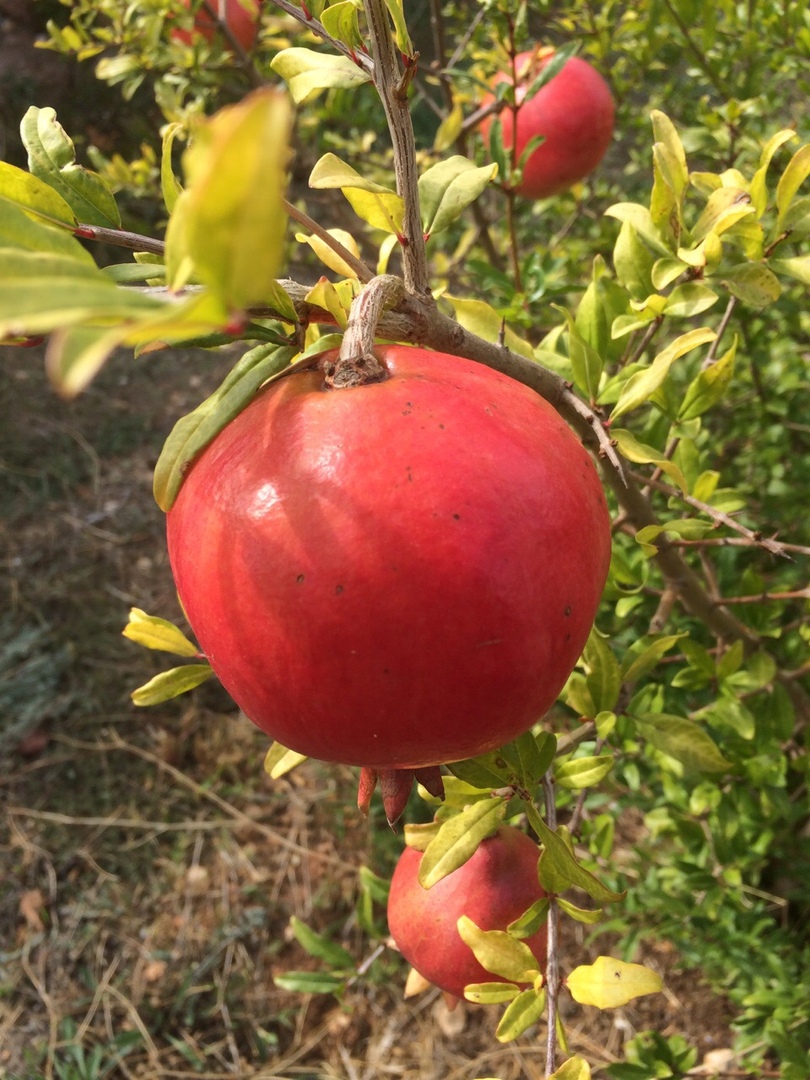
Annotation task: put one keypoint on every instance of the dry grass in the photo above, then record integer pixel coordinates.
(149, 868)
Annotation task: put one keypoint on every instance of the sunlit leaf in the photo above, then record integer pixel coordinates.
(520, 1014)
(791, 180)
(170, 684)
(499, 952)
(709, 386)
(155, 633)
(447, 188)
(52, 158)
(480, 318)
(753, 283)
(458, 839)
(609, 983)
(279, 761)
(584, 772)
(641, 386)
(307, 72)
(230, 222)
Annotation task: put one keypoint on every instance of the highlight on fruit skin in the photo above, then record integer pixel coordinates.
(574, 112)
(496, 885)
(395, 575)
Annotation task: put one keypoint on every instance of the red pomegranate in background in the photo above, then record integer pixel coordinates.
(393, 575)
(574, 111)
(240, 16)
(493, 888)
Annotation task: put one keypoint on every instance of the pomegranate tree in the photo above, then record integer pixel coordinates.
(493, 888)
(573, 112)
(397, 574)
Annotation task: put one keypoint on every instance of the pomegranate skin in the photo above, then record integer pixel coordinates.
(493, 888)
(394, 575)
(575, 113)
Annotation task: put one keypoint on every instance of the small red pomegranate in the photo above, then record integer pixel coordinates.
(493, 888)
(574, 111)
(393, 575)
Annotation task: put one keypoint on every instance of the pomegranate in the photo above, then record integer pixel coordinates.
(242, 21)
(574, 111)
(397, 574)
(493, 888)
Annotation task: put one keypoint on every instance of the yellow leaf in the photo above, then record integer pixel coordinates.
(609, 983)
(157, 633)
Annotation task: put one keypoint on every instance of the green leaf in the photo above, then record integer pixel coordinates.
(630, 448)
(457, 794)
(633, 262)
(759, 191)
(587, 916)
(170, 186)
(639, 217)
(686, 301)
(798, 267)
(279, 760)
(520, 1014)
(307, 72)
(576, 1068)
(401, 35)
(642, 385)
(790, 181)
(34, 195)
(492, 993)
(558, 867)
(331, 172)
(640, 661)
(448, 188)
(170, 684)
(586, 363)
(309, 982)
(530, 756)
(723, 209)
(753, 283)
(683, 740)
(155, 633)
(532, 920)
(458, 839)
(480, 318)
(192, 433)
(52, 158)
(229, 223)
(19, 229)
(499, 952)
(584, 772)
(709, 386)
(321, 947)
(340, 22)
(609, 983)
(603, 676)
(484, 772)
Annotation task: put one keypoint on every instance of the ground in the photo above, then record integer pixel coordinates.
(150, 865)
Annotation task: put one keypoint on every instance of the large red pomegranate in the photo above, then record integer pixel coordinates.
(574, 111)
(493, 888)
(393, 575)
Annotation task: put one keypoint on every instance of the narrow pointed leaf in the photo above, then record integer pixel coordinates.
(708, 388)
(492, 993)
(791, 180)
(155, 633)
(458, 839)
(447, 189)
(520, 1014)
(583, 772)
(192, 433)
(170, 684)
(641, 386)
(320, 946)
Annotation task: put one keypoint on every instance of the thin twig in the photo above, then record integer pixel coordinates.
(552, 979)
(360, 58)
